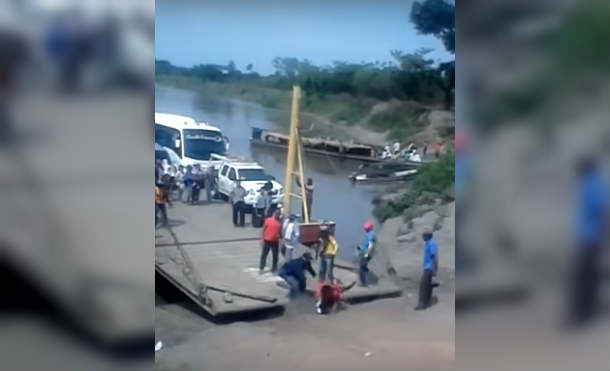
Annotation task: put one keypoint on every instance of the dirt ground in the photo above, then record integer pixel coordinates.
(383, 334)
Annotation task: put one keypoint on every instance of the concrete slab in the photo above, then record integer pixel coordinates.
(227, 257)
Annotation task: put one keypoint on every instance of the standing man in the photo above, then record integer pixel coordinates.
(293, 272)
(430, 267)
(290, 235)
(271, 241)
(188, 183)
(208, 177)
(365, 252)
(237, 197)
(330, 247)
(197, 183)
(309, 188)
(258, 214)
(425, 151)
(591, 240)
(161, 197)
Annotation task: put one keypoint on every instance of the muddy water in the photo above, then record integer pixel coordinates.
(334, 196)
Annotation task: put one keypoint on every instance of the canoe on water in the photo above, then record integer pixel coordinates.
(385, 172)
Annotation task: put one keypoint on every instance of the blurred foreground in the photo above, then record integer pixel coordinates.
(532, 226)
(76, 104)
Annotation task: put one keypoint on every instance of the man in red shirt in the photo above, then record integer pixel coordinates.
(271, 240)
(329, 295)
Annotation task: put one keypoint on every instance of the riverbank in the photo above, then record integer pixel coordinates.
(342, 116)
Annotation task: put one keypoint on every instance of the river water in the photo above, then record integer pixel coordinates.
(334, 197)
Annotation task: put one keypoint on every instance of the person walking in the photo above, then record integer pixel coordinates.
(237, 198)
(365, 252)
(293, 272)
(290, 237)
(330, 247)
(272, 229)
(309, 188)
(430, 267)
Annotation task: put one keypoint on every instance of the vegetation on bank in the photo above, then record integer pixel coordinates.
(434, 182)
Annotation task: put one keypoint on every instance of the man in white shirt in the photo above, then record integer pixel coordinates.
(290, 236)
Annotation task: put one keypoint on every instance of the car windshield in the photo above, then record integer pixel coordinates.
(199, 143)
(252, 174)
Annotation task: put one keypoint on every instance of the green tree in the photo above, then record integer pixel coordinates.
(435, 17)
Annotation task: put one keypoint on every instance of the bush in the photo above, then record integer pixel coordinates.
(434, 181)
(401, 120)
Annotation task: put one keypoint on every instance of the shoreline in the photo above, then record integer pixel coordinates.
(356, 132)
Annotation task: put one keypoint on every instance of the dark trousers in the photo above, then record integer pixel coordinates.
(584, 292)
(308, 202)
(160, 208)
(239, 212)
(195, 193)
(270, 210)
(327, 263)
(274, 247)
(425, 289)
(363, 270)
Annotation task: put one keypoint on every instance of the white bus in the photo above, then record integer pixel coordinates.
(194, 142)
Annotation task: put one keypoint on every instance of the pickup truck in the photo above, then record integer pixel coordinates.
(253, 178)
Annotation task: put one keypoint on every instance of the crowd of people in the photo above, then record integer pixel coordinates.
(410, 153)
(281, 235)
(182, 183)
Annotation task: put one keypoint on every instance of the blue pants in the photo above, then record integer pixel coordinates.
(327, 263)
(296, 285)
(363, 270)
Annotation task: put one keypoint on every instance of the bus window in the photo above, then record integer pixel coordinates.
(200, 144)
(167, 137)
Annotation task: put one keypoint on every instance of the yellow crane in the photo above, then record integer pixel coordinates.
(295, 154)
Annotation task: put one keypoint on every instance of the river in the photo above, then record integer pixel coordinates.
(334, 197)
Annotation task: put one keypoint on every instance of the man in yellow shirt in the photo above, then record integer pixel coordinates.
(330, 247)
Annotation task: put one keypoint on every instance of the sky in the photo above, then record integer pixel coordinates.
(190, 32)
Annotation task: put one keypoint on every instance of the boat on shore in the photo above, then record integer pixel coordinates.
(323, 146)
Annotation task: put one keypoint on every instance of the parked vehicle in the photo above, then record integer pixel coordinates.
(165, 153)
(253, 178)
(193, 142)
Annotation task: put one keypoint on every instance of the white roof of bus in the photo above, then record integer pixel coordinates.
(181, 122)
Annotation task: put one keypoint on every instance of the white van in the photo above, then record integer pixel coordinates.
(194, 142)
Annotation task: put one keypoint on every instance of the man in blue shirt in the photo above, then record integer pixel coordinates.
(293, 272)
(365, 252)
(430, 267)
(593, 200)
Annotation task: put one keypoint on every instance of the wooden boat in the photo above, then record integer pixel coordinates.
(322, 146)
(385, 172)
